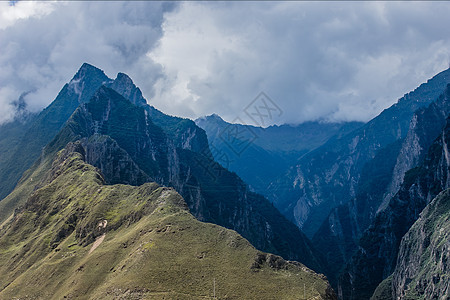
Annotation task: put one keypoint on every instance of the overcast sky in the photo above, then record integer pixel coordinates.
(316, 61)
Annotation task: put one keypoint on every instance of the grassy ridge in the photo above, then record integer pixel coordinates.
(153, 248)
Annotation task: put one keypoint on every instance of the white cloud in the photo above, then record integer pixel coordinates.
(11, 12)
(324, 60)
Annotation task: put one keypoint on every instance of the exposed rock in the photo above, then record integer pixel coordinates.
(423, 263)
(380, 179)
(377, 255)
(425, 127)
(27, 139)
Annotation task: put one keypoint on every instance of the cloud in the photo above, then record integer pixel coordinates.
(10, 12)
(332, 61)
(325, 60)
(45, 43)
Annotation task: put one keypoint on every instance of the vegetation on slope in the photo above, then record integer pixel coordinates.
(148, 246)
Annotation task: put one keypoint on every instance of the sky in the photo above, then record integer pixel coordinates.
(326, 61)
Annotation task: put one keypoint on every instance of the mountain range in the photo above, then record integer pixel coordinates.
(258, 155)
(128, 142)
(340, 190)
(103, 195)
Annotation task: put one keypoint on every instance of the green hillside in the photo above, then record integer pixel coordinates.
(148, 245)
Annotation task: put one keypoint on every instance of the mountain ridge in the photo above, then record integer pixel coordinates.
(78, 238)
(174, 152)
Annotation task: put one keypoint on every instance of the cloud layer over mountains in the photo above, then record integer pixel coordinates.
(327, 61)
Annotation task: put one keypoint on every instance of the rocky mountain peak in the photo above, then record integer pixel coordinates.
(124, 78)
(214, 117)
(125, 86)
(86, 80)
(87, 71)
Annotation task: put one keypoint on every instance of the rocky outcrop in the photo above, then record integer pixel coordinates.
(125, 86)
(425, 127)
(116, 165)
(185, 134)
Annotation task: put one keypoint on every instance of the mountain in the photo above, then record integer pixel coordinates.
(329, 175)
(260, 154)
(339, 234)
(380, 179)
(29, 138)
(376, 257)
(422, 269)
(11, 134)
(133, 143)
(76, 237)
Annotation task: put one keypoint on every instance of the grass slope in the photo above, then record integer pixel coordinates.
(152, 248)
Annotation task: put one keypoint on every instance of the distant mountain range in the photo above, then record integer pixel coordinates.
(258, 155)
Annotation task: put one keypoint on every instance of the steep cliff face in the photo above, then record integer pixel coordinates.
(329, 175)
(124, 85)
(378, 247)
(379, 181)
(423, 262)
(116, 165)
(339, 235)
(183, 132)
(76, 237)
(424, 128)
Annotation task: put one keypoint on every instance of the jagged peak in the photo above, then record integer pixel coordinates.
(122, 77)
(88, 67)
(87, 70)
(125, 86)
(215, 116)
